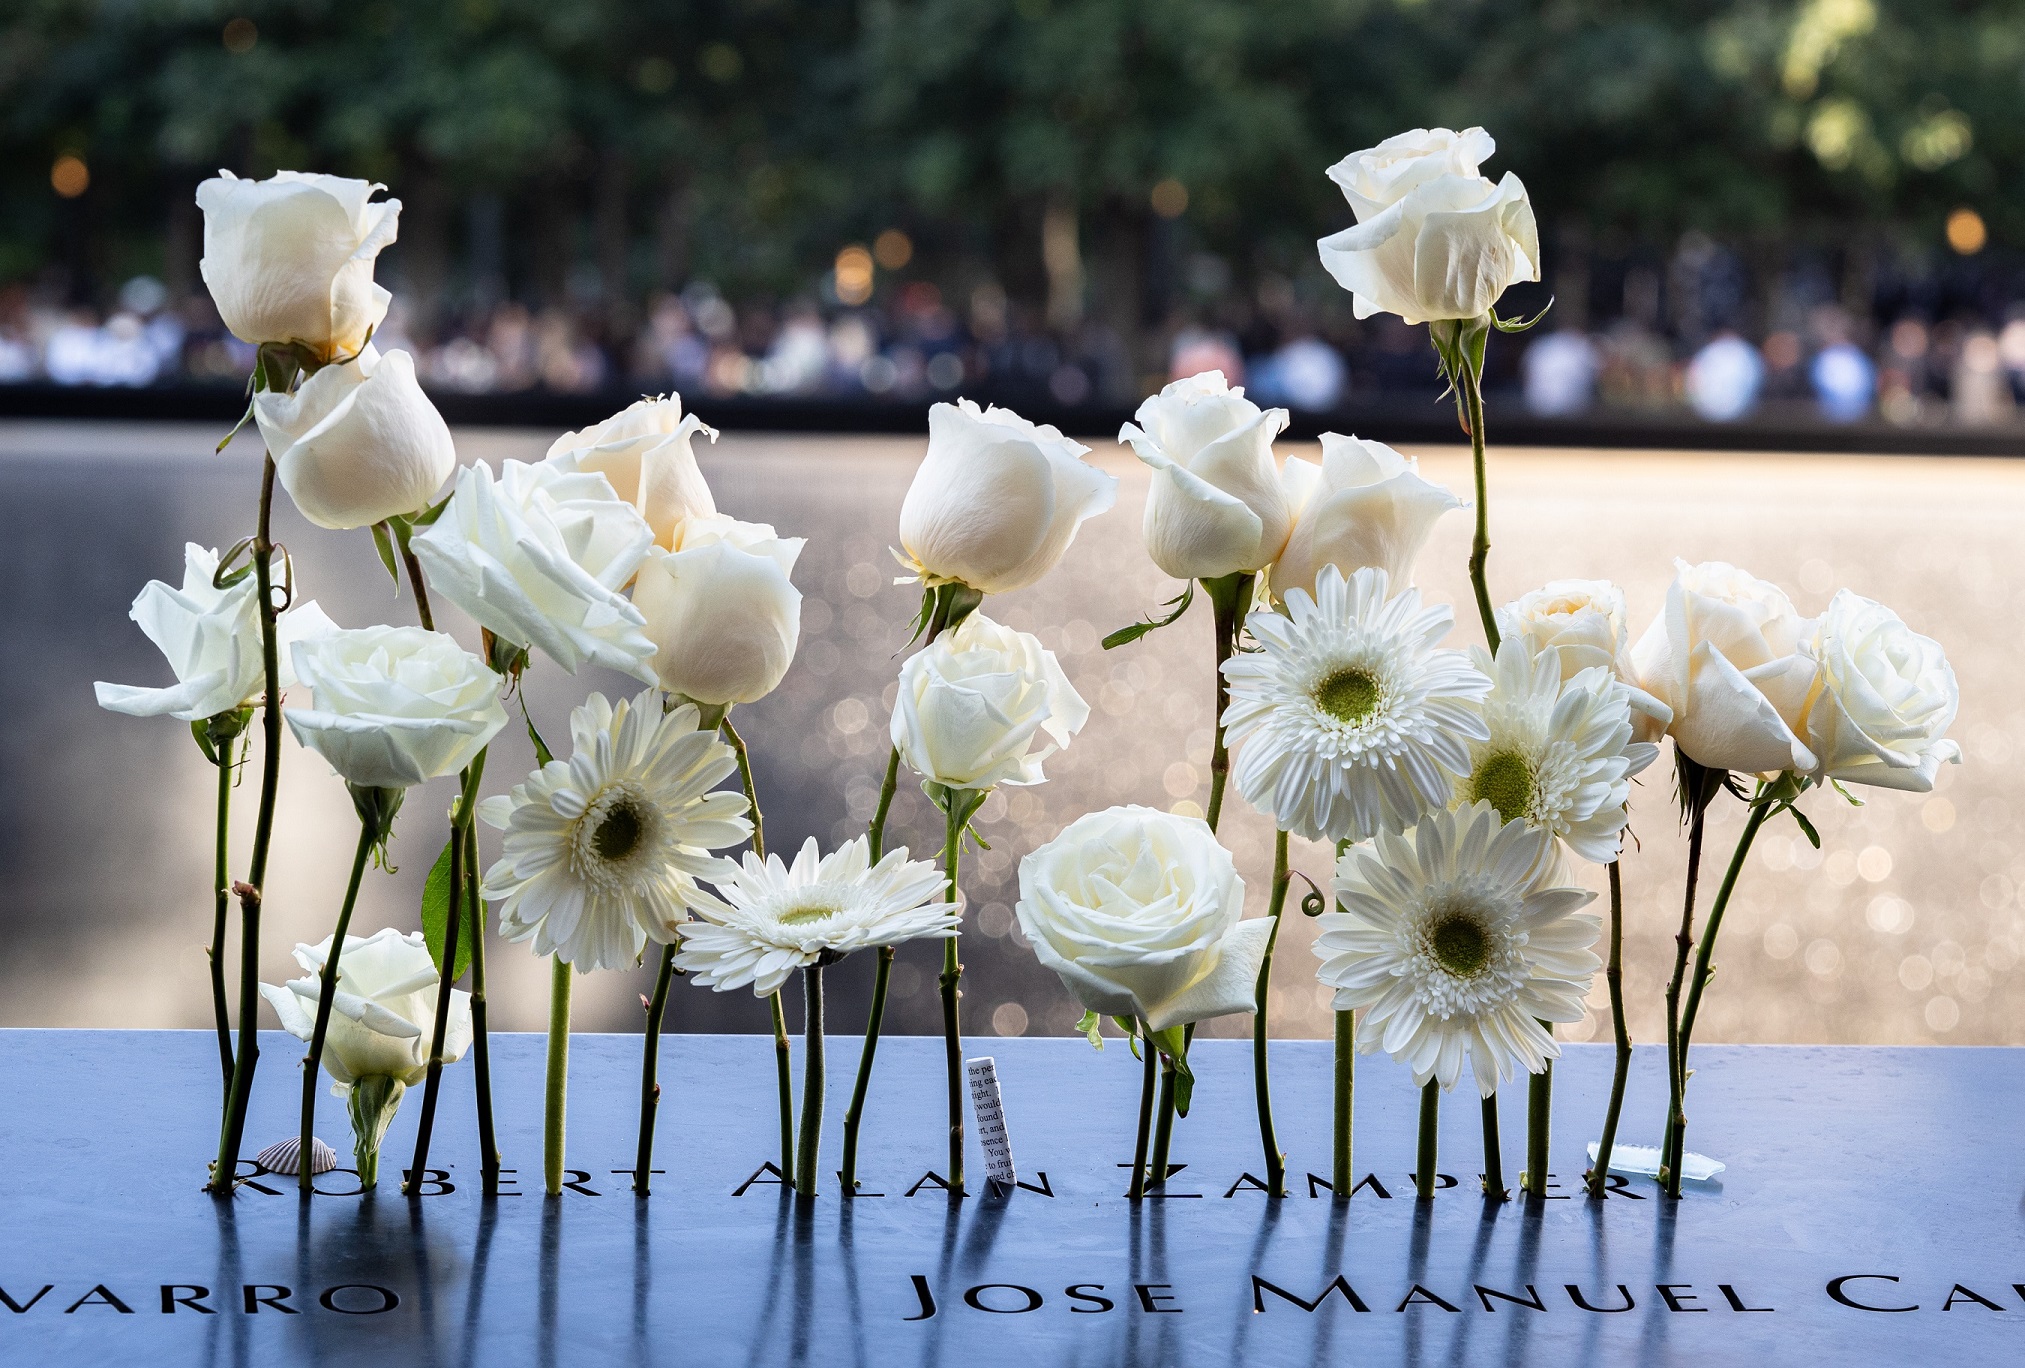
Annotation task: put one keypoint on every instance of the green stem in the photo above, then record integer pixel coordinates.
(783, 1063)
(809, 1156)
(737, 743)
(1262, 1085)
(462, 835)
(1430, 1126)
(224, 1171)
(952, 976)
(222, 887)
(325, 997)
(1599, 1175)
(1683, 941)
(855, 1114)
(557, 1092)
(1539, 1119)
(481, 1055)
(422, 613)
(1494, 1153)
(1470, 393)
(1341, 1179)
(1163, 1126)
(650, 1069)
(877, 831)
(1228, 597)
(1761, 811)
(1147, 1076)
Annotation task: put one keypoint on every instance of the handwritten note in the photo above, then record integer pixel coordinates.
(991, 1132)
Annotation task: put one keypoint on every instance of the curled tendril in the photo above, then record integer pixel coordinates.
(1314, 902)
(224, 577)
(286, 589)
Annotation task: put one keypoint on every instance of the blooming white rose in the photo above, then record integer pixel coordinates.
(1445, 244)
(983, 705)
(290, 259)
(1377, 178)
(720, 611)
(1728, 655)
(1137, 910)
(357, 442)
(645, 452)
(383, 1012)
(997, 499)
(1584, 622)
(1883, 701)
(1215, 506)
(212, 640)
(540, 558)
(395, 706)
(1365, 505)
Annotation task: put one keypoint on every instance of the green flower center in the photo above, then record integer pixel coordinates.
(811, 912)
(1348, 695)
(1460, 946)
(618, 834)
(1505, 781)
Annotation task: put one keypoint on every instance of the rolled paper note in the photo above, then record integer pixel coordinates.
(991, 1133)
(1643, 1161)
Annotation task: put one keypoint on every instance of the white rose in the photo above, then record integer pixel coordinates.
(383, 1012)
(645, 453)
(1728, 655)
(721, 612)
(1884, 699)
(291, 259)
(1379, 177)
(541, 558)
(358, 442)
(997, 499)
(395, 706)
(1366, 505)
(1216, 506)
(212, 640)
(1584, 622)
(1137, 910)
(1445, 248)
(984, 705)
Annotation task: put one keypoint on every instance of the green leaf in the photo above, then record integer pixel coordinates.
(201, 729)
(1088, 1026)
(384, 544)
(1807, 827)
(436, 917)
(1847, 796)
(1516, 325)
(1179, 603)
(428, 516)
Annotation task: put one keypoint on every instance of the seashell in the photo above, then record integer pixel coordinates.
(285, 1159)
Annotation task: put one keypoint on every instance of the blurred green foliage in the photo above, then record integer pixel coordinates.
(744, 140)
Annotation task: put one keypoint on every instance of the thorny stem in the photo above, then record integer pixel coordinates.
(222, 886)
(1599, 1176)
(650, 1068)
(1163, 1125)
(951, 977)
(463, 837)
(326, 996)
(1148, 1073)
(1676, 1081)
(1262, 1087)
(481, 1057)
(1229, 595)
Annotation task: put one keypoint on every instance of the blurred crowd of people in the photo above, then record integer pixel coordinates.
(916, 346)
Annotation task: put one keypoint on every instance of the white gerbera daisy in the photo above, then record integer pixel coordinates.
(1352, 721)
(602, 852)
(1559, 756)
(1457, 937)
(769, 920)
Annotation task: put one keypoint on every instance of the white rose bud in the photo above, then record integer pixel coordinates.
(1137, 910)
(1585, 623)
(290, 259)
(984, 705)
(997, 499)
(1883, 702)
(645, 452)
(394, 706)
(1447, 244)
(720, 610)
(1215, 506)
(1728, 655)
(357, 443)
(541, 558)
(1366, 505)
(212, 640)
(384, 1010)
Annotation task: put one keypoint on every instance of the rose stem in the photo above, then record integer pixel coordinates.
(854, 1115)
(1163, 1127)
(809, 1155)
(1340, 1179)
(1761, 809)
(481, 1059)
(1430, 1117)
(558, 1076)
(650, 1063)
(1228, 595)
(222, 883)
(326, 995)
(952, 975)
(1152, 1067)
(224, 1172)
(462, 835)
(1697, 781)
(1262, 1085)
(1599, 1176)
